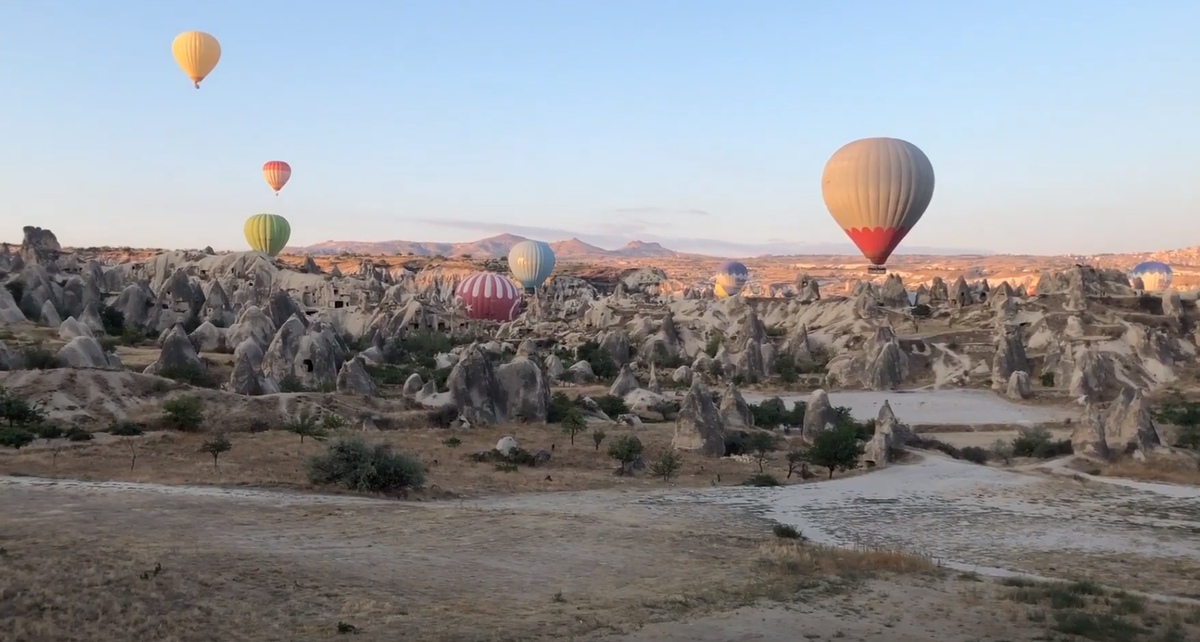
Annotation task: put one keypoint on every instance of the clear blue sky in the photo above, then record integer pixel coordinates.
(1053, 125)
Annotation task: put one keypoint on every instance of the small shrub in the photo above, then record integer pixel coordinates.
(1189, 437)
(1003, 450)
(611, 405)
(259, 425)
(602, 363)
(716, 369)
(47, 431)
(113, 321)
(666, 465)
(190, 374)
(184, 413)
(75, 433)
(16, 438)
(291, 383)
(974, 454)
(626, 449)
(713, 345)
(786, 531)
(39, 358)
(125, 429)
(352, 463)
(597, 437)
(442, 416)
(573, 424)
(796, 459)
(507, 467)
(452, 442)
(304, 424)
(18, 411)
(762, 480)
(216, 447)
(1038, 442)
(333, 422)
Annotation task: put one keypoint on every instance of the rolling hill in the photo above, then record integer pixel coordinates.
(491, 247)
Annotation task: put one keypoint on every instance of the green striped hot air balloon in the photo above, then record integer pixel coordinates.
(267, 233)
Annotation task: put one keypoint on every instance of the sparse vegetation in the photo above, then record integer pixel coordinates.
(113, 321)
(560, 405)
(18, 412)
(1038, 442)
(626, 449)
(352, 463)
(786, 531)
(796, 462)
(762, 480)
(442, 416)
(666, 465)
(602, 363)
(452, 442)
(1046, 379)
(598, 437)
(611, 405)
(125, 429)
(185, 412)
(190, 374)
(39, 358)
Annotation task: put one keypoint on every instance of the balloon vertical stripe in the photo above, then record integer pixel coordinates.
(531, 263)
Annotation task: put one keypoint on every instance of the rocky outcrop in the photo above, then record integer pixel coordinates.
(698, 426)
(475, 389)
(818, 414)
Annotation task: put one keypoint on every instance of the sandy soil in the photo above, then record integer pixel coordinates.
(958, 407)
(985, 438)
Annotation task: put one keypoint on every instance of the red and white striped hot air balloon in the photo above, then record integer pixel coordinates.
(877, 189)
(277, 174)
(489, 296)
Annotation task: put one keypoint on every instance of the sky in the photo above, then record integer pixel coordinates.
(1054, 126)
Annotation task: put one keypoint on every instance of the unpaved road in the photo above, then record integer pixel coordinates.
(622, 567)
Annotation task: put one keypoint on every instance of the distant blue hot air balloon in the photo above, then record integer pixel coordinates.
(1155, 275)
(531, 263)
(731, 276)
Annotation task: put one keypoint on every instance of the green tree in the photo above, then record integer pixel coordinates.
(761, 443)
(836, 449)
(795, 461)
(626, 449)
(305, 424)
(185, 412)
(573, 423)
(666, 465)
(597, 437)
(216, 446)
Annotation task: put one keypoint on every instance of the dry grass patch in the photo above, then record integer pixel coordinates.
(1086, 610)
(277, 459)
(798, 558)
(1176, 468)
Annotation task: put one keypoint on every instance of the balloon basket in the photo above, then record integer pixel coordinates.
(876, 269)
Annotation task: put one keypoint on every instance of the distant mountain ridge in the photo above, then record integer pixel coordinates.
(490, 247)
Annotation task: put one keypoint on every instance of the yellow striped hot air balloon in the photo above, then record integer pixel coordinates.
(197, 54)
(267, 233)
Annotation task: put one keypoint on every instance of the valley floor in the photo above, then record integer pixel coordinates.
(119, 561)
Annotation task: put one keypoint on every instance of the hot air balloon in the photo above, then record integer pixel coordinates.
(267, 233)
(490, 297)
(531, 263)
(277, 174)
(731, 276)
(877, 189)
(1155, 275)
(197, 54)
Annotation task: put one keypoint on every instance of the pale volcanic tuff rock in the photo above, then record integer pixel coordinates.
(698, 427)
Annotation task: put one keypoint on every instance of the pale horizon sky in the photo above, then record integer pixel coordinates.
(1054, 126)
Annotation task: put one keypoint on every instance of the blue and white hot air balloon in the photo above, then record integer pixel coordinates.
(531, 263)
(731, 277)
(1155, 275)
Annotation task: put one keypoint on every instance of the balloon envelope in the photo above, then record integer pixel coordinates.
(731, 277)
(267, 233)
(489, 296)
(277, 174)
(1155, 275)
(877, 189)
(531, 263)
(197, 54)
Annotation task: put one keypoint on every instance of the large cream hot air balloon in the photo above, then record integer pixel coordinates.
(877, 189)
(276, 173)
(197, 54)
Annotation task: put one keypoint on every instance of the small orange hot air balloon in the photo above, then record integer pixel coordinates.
(277, 174)
(197, 54)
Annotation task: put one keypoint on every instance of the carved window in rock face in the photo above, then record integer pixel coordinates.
(308, 365)
(339, 304)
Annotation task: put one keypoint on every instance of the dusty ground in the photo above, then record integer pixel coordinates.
(277, 459)
(89, 562)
